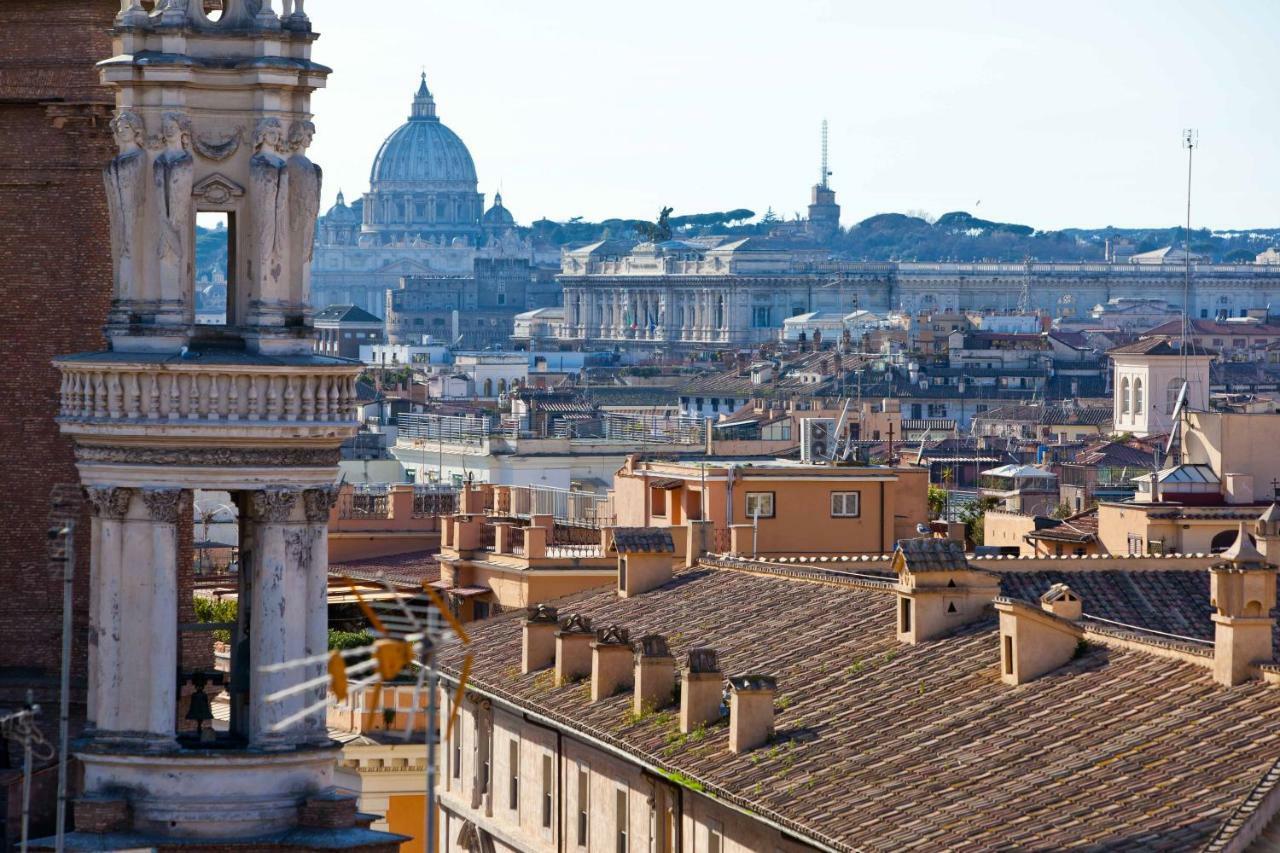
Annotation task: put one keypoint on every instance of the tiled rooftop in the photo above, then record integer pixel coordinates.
(407, 570)
(885, 746)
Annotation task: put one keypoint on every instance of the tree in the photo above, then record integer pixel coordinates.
(937, 501)
(1061, 511)
(972, 515)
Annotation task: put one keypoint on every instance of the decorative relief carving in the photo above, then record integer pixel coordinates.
(125, 179)
(219, 457)
(174, 176)
(217, 190)
(164, 505)
(109, 502)
(221, 149)
(272, 505)
(269, 180)
(304, 180)
(318, 502)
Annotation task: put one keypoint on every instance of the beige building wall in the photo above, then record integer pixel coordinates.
(1118, 522)
(1006, 529)
(626, 807)
(1236, 444)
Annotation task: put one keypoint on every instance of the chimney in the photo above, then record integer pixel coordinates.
(750, 711)
(573, 648)
(701, 689)
(1062, 602)
(1268, 533)
(645, 557)
(655, 675)
(610, 662)
(1033, 640)
(1242, 589)
(938, 591)
(538, 644)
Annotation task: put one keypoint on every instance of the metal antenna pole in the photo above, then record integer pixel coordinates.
(32, 709)
(64, 700)
(823, 181)
(1190, 139)
(429, 643)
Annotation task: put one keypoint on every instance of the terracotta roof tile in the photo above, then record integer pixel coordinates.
(887, 746)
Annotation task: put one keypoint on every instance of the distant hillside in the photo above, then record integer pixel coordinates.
(211, 251)
(956, 236)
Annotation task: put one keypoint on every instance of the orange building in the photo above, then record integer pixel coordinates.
(775, 507)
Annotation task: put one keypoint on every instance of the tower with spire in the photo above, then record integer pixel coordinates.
(824, 213)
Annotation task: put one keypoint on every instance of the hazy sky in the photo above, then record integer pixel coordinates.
(1049, 114)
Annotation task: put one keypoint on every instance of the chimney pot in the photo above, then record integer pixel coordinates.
(655, 675)
(750, 711)
(538, 646)
(610, 662)
(1062, 601)
(573, 648)
(700, 689)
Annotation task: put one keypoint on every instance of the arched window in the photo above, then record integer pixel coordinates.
(488, 387)
(1124, 396)
(502, 386)
(1137, 397)
(1224, 540)
(1171, 392)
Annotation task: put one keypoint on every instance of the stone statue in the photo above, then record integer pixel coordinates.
(125, 179)
(269, 194)
(173, 178)
(304, 207)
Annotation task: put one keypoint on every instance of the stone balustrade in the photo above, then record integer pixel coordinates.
(205, 393)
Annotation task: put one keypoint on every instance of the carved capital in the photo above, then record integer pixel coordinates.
(164, 505)
(272, 505)
(318, 502)
(110, 502)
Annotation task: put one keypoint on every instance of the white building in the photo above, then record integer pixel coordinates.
(1149, 374)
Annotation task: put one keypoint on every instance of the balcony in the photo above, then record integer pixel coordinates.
(204, 396)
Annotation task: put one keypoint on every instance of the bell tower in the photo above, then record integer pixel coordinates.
(211, 115)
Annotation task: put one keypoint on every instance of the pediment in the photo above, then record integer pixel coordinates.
(217, 190)
(405, 266)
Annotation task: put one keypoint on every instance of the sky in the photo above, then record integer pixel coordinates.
(1047, 114)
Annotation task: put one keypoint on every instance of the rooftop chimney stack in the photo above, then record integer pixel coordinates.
(538, 646)
(573, 648)
(701, 689)
(1242, 589)
(1062, 602)
(750, 711)
(611, 669)
(655, 675)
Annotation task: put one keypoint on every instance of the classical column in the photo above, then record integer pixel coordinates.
(134, 621)
(286, 556)
(316, 504)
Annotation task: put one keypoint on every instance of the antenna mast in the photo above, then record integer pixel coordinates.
(822, 180)
(1190, 140)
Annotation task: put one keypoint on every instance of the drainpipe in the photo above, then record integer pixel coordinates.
(882, 516)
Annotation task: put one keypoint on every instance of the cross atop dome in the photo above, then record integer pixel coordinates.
(424, 106)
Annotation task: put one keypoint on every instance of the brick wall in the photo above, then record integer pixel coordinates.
(55, 288)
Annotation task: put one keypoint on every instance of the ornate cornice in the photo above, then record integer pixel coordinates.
(221, 457)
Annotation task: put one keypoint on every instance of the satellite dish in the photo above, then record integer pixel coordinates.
(1177, 417)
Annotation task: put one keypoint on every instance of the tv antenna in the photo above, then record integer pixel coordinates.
(826, 173)
(1190, 141)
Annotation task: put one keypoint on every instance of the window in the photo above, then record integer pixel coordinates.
(1124, 396)
(620, 819)
(1135, 545)
(513, 762)
(1008, 655)
(904, 615)
(456, 761)
(715, 838)
(937, 410)
(1204, 313)
(1171, 392)
(760, 316)
(548, 781)
(1138, 402)
(844, 504)
(1238, 343)
(759, 505)
(658, 501)
(582, 806)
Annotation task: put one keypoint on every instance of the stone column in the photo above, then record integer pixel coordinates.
(134, 623)
(280, 556)
(316, 506)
